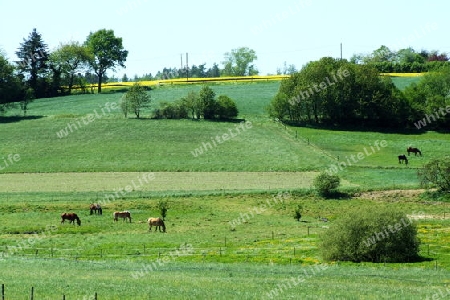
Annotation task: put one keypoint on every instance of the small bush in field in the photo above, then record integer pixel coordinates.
(326, 184)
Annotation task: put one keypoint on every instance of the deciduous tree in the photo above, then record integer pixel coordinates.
(70, 59)
(239, 62)
(107, 53)
(135, 100)
(11, 88)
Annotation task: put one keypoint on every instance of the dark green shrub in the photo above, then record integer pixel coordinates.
(326, 184)
(298, 212)
(172, 110)
(436, 173)
(226, 108)
(381, 234)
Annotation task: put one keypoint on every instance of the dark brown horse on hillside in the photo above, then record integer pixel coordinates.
(122, 214)
(413, 150)
(95, 209)
(158, 223)
(72, 217)
(402, 158)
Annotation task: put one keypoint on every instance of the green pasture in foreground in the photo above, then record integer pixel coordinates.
(230, 247)
(81, 280)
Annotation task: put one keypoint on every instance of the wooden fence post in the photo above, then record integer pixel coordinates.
(3, 291)
(32, 293)
(95, 296)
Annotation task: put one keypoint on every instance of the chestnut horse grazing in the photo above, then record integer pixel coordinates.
(95, 209)
(71, 217)
(402, 158)
(122, 214)
(413, 150)
(158, 223)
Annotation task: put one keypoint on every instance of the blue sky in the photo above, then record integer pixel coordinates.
(156, 33)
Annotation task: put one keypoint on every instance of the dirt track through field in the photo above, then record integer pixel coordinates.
(158, 181)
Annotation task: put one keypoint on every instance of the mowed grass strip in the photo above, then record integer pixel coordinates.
(127, 182)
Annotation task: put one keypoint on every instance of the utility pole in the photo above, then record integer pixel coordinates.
(187, 67)
(341, 51)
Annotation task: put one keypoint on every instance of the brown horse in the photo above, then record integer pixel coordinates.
(71, 217)
(413, 150)
(122, 214)
(402, 158)
(158, 223)
(95, 209)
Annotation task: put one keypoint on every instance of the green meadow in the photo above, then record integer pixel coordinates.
(230, 204)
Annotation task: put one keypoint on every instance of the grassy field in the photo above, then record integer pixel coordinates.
(111, 143)
(219, 281)
(228, 246)
(230, 206)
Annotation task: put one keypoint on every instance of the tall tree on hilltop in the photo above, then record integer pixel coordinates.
(239, 61)
(107, 53)
(33, 64)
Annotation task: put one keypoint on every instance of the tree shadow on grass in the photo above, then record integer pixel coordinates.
(361, 128)
(15, 119)
(336, 195)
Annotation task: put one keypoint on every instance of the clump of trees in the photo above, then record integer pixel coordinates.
(40, 73)
(197, 105)
(337, 92)
(340, 93)
(382, 234)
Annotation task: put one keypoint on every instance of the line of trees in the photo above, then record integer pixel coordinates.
(40, 73)
(237, 62)
(340, 93)
(405, 60)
